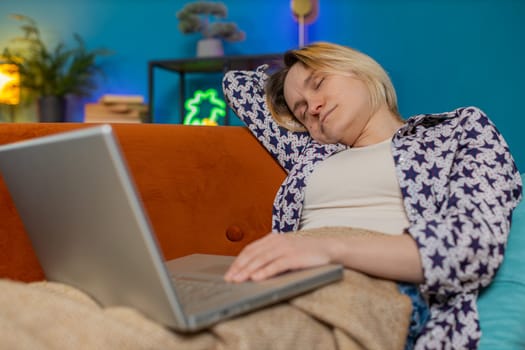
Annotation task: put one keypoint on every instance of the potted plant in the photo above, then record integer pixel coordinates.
(205, 17)
(50, 74)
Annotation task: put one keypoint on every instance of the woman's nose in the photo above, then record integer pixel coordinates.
(314, 107)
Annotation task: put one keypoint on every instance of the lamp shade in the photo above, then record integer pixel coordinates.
(9, 84)
(306, 11)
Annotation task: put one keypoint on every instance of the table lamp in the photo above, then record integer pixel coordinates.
(9, 84)
(304, 12)
(9, 87)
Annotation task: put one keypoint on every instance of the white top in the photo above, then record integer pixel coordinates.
(356, 187)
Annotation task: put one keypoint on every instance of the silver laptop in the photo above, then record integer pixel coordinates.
(88, 228)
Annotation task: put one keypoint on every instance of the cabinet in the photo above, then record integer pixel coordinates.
(182, 67)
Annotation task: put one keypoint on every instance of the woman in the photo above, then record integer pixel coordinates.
(441, 186)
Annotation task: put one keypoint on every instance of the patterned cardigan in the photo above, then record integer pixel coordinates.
(459, 185)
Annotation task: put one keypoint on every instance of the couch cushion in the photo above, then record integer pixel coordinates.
(206, 190)
(502, 305)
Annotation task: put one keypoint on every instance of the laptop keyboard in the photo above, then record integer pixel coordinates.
(193, 289)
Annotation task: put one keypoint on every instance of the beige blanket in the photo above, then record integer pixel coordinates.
(358, 312)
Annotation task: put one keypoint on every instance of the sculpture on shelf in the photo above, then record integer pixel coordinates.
(205, 17)
(49, 74)
(192, 105)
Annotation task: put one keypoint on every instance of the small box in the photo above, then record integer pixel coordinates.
(116, 109)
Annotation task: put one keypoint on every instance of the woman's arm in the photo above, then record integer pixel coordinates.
(394, 257)
(463, 232)
(244, 92)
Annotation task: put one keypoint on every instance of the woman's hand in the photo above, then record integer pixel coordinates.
(276, 253)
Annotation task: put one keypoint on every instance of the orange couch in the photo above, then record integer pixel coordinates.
(205, 189)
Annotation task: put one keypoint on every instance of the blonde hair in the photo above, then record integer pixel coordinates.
(332, 59)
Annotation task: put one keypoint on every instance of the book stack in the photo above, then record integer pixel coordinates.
(116, 109)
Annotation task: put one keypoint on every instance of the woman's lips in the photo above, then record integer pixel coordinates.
(323, 117)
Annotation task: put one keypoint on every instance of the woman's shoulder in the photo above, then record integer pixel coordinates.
(472, 117)
(470, 112)
(459, 115)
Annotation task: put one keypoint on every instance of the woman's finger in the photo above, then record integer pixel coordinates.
(255, 255)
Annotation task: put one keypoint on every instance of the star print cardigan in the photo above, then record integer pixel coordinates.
(459, 185)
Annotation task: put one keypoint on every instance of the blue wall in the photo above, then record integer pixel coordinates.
(441, 54)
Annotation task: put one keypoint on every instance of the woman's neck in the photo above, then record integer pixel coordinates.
(381, 126)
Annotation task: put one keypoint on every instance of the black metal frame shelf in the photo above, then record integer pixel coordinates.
(202, 65)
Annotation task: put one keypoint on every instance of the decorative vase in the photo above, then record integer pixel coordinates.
(51, 109)
(209, 47)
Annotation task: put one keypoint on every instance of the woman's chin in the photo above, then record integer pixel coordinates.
(326, 140)
(329, 136)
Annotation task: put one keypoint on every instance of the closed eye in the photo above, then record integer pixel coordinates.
(301, 111)
(301, 116)
(318, 85)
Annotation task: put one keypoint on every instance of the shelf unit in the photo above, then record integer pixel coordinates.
(182, 67)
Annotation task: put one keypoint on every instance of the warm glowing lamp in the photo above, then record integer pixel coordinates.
(9, 84)
(304, 12)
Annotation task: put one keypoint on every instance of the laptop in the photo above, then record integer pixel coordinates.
(87, 225)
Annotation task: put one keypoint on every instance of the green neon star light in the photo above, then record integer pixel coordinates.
(193, 108)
